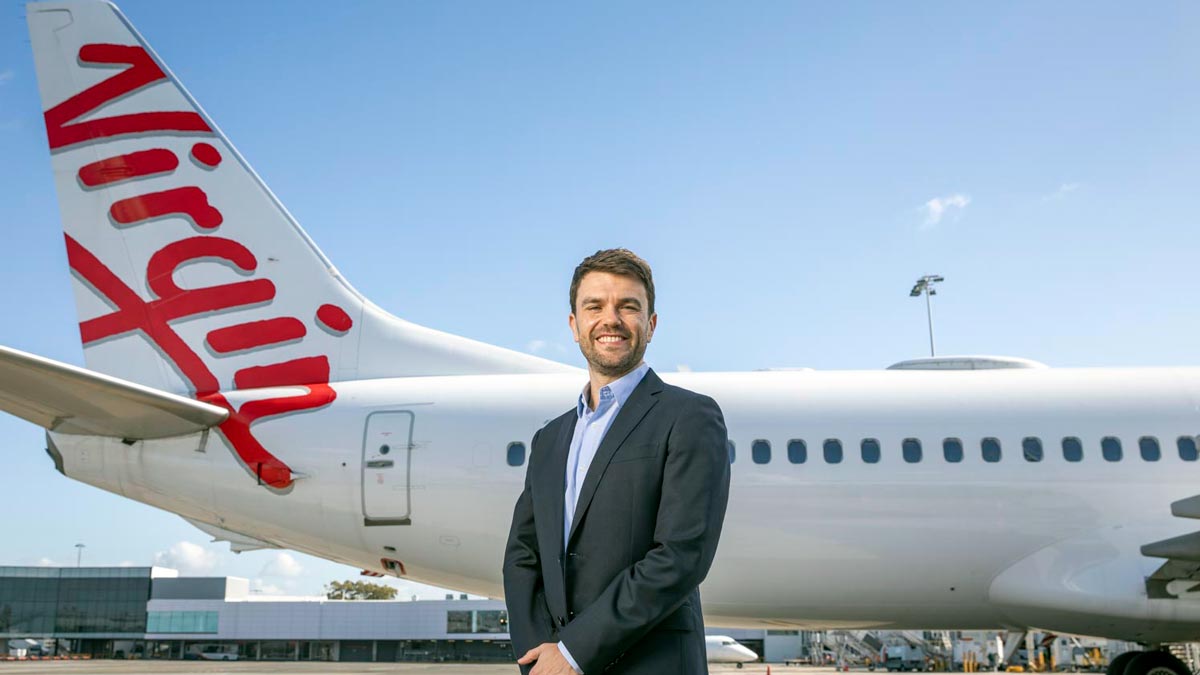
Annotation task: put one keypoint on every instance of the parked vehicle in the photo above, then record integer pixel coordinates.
(212, 652)
(903, 658)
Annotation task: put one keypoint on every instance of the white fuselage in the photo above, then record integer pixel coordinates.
(927, 544)
(191, 278)
(724, 649)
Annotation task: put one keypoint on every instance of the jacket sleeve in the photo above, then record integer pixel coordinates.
(529, 621)
(691, 510)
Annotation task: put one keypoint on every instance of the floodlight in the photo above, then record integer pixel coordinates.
(924, 286)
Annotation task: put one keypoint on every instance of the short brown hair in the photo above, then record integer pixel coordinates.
(620, 261)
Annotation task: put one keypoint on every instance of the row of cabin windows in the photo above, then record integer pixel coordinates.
(952, 450)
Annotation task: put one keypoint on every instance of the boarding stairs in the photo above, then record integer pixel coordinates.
(857, 647)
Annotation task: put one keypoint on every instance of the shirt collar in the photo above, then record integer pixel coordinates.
(620, 388)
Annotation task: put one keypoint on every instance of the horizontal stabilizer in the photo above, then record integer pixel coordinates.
(237, 542)
(1187, 508)
(73, 400)
(1183, 547)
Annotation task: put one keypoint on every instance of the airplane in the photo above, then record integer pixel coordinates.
(235, 378)
(724, 649)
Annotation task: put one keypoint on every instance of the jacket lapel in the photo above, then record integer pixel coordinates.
(557, 468)
(640, 401)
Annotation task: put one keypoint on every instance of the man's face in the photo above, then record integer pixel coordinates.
(611, 322)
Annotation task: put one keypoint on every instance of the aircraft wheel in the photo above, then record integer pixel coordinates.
(739, 665)
(1118, 665)
(1156, 663)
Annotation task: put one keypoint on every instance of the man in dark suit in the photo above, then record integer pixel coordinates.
(623, 503)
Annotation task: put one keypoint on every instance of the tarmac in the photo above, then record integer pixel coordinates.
(307, 668)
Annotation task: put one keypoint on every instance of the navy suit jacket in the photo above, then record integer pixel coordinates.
(622, 595)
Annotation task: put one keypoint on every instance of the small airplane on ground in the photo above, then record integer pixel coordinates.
(724, 649)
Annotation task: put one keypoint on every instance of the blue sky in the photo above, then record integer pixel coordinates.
(789, 169)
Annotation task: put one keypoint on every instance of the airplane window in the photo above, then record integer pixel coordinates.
(1149, 447)
(991, 449)
(1072, 449)
(760, 451)
(1032, 447)
(952, 449)
(870, 451)
(1187, 448)
(797, 451)
(1110, 447)
(516, 454)
(833, 451)
(911, 449)
(732, 450)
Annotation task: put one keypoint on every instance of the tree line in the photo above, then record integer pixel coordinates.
(358, 590)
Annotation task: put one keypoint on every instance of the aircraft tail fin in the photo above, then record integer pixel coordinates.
(189, 275)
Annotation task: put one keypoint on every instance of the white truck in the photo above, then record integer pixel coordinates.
(904, 657)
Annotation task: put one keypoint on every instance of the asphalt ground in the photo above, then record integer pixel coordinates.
(307, 668)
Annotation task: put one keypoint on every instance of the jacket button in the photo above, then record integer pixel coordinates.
(570, 615)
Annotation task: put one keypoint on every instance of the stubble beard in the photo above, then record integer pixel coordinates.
(608, 367)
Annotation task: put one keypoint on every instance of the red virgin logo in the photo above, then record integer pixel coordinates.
(152, 318)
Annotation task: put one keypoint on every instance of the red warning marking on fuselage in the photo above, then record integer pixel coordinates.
(334, 318)
(125, 167)
(185, 201)
(254, 334)
(206, 154)
(141, 72)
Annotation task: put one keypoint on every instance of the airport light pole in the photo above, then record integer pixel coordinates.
(79, 554)
(924, 286)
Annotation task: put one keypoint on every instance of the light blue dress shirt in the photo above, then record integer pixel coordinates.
(590, 429)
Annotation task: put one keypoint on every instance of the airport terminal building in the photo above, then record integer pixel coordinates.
(153, 613)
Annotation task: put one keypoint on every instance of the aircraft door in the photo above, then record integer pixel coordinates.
(387, 459)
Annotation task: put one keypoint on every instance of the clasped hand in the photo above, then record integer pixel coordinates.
(549, 660)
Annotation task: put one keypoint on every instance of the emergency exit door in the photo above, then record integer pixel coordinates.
(387, 460)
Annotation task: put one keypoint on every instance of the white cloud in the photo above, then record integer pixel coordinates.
(938, 208)
(535, 346)
(188, 558)
(263, 588)
(46, 562)
(6, 75)
(282, 565)
(1062, 191)
(126, 563)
